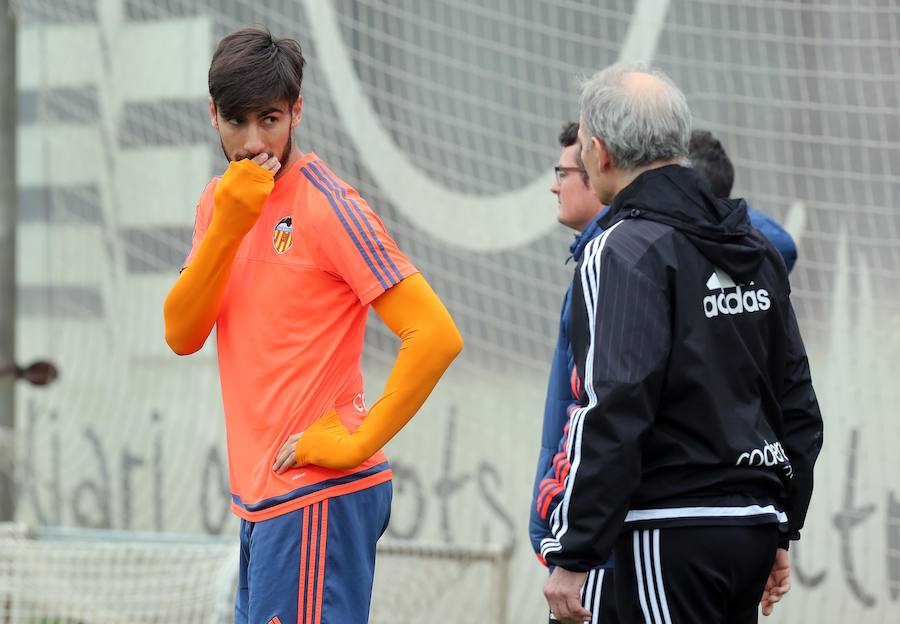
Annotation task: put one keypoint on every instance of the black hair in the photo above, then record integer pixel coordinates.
(568, 136)
(711, 162)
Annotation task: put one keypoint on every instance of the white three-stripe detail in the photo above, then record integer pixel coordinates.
(590, 270)
(648, 573)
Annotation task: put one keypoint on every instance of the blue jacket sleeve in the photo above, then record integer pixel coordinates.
(777, 235)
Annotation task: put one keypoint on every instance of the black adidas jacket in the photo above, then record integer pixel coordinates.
(698, 407)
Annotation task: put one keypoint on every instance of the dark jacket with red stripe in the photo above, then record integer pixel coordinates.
(696, 405)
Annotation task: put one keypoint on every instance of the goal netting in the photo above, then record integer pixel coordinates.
(79, 576)
(101, 577)
(456, 584)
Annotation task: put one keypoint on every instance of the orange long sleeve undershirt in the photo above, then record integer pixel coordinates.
(430, 342)
(193, 303)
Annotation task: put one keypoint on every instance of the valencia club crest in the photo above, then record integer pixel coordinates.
(282, 235)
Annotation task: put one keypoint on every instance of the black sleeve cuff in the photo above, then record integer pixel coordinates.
(572, 564)
(785, 539)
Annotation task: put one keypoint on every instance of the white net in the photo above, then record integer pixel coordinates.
(444, 114)
(71, 577)
(78, 576)
(413, 581)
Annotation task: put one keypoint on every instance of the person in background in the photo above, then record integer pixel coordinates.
(578, 209)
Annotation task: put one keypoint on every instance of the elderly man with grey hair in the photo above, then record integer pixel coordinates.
(693, 448)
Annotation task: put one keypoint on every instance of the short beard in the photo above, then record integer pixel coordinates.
(285, 154)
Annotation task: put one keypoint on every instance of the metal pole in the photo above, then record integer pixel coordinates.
(7, 251)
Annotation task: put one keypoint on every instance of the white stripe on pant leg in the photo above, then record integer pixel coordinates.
(595, 587)
(595, 607)
(591, 589)
(664, 604)
(586, 588)
(639, 576)
(648, 570)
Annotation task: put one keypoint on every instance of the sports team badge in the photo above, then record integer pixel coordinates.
(282, 235)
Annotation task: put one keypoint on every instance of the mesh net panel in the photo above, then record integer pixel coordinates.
(412, 581)
(93, 579)
(96, 577)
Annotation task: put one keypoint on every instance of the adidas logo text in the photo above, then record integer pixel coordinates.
(737, 301)
(767, 455)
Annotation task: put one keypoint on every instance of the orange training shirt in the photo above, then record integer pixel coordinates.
(290, 333)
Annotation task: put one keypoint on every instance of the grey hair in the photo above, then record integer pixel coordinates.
(638, 128)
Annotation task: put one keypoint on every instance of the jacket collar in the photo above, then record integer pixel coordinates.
(592, 231)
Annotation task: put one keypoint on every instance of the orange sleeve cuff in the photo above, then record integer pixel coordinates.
(430, 342)
(192, 305)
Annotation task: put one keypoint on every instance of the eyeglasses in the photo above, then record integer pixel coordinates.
(561, 172)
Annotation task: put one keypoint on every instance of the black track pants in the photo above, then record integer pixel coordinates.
(692, 575)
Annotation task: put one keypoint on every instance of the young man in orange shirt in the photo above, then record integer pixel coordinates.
(285, 261)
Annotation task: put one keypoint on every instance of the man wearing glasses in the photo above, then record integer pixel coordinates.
(579, 210)
(693, 449)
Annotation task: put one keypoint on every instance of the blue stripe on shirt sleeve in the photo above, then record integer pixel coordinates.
(384, 253)
(347, 227)
(338, 192)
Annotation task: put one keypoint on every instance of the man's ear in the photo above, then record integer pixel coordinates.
(296, 112)
(213, 117)
(604, 159)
